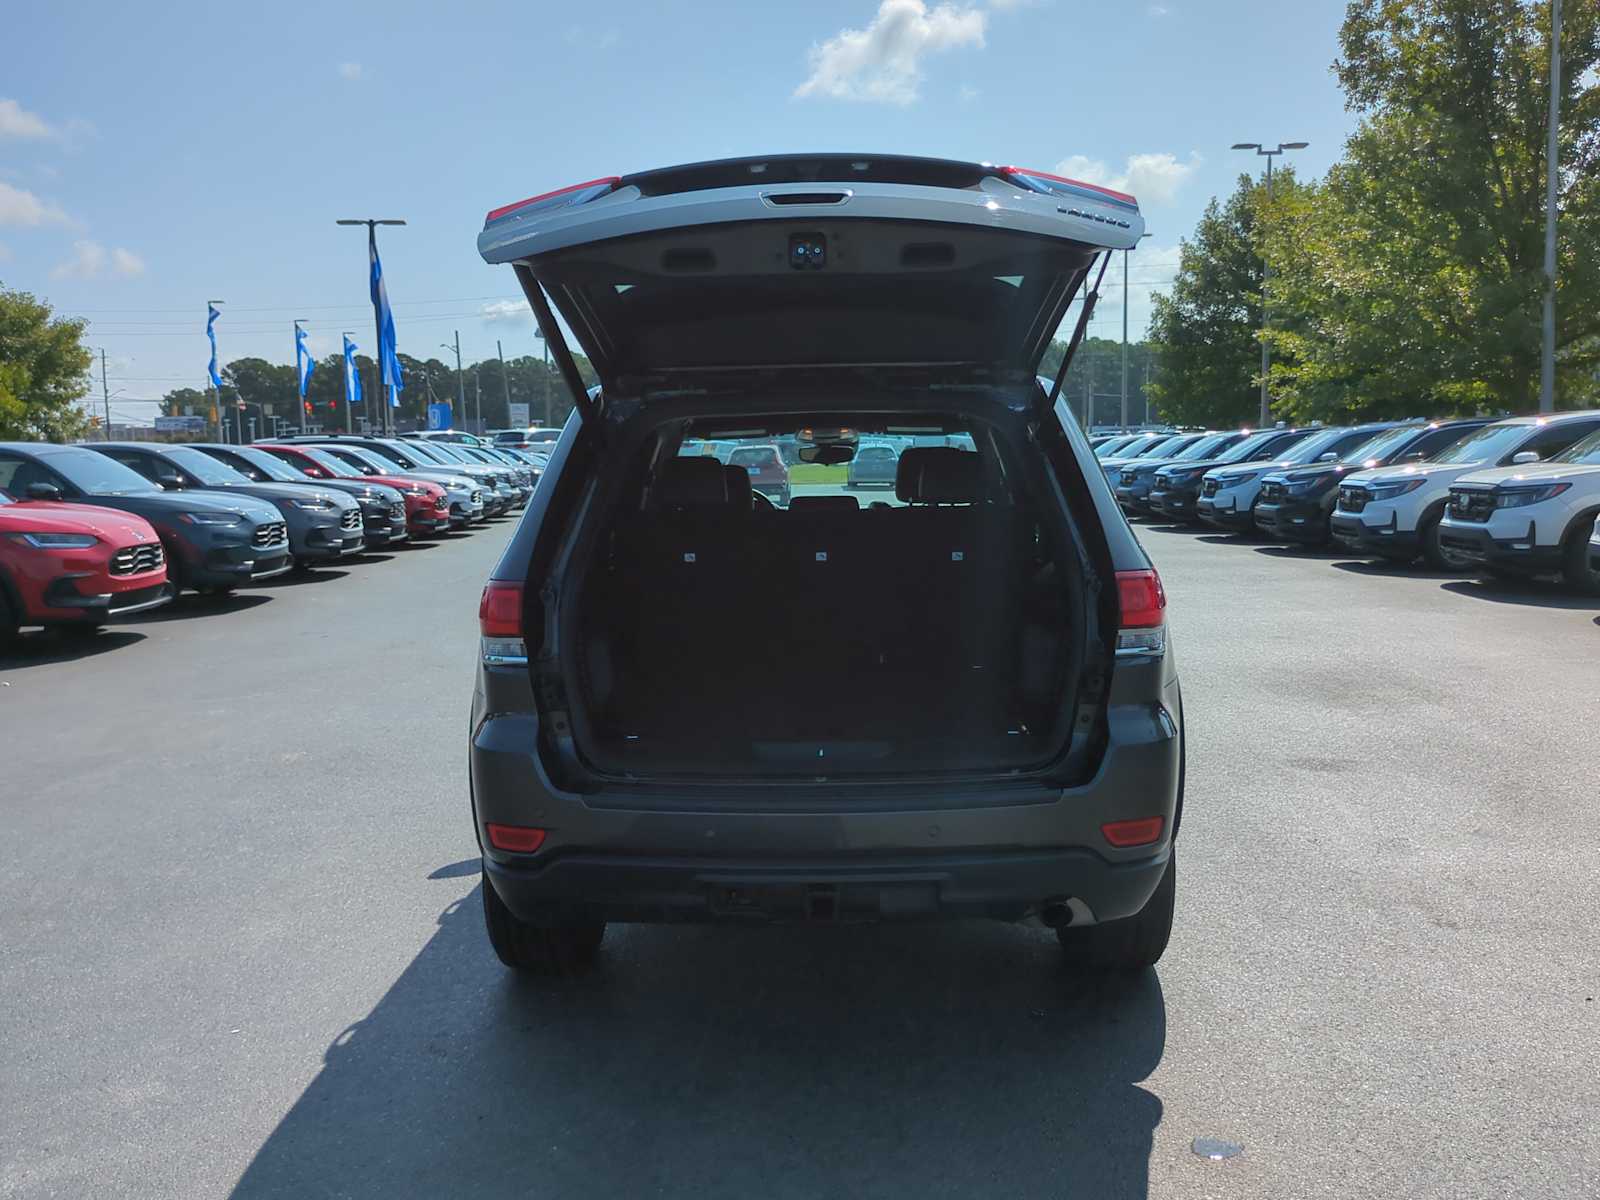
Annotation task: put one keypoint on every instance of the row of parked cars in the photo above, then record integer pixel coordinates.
(1511, 497)
(104, 529)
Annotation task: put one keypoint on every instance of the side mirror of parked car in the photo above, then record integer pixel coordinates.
(1330, 456)
(1524, 456)
(170, 480)
(43, 491)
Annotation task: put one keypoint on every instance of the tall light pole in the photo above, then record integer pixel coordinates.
(505, 380)
(372, 224)
(1547, 358)
(1266, 272)
(1142, 236)
(544, 377)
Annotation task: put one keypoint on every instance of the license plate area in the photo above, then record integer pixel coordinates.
(821, 902)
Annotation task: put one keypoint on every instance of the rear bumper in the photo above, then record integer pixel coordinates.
(1386, 541)
(1293, 520)
(659, 889)
(1517, 553)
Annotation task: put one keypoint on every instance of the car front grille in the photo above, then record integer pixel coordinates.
(477, 497)
(136, 560)
(397, 512)
(351, 520)
(1470, 505)
(1208, 488)
(1353, 499)
(270, 534)
(1272, 493)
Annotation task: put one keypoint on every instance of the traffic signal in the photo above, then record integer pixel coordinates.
(308, 408)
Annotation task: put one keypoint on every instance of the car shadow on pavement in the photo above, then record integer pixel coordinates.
(1296, 550)
(1389, 570)
(291, 579)
(919, 1060)
(190, 605)
(1225, 539)
(1532, 593)
(53, 646)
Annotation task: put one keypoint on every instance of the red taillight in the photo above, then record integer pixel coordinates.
(505, 209)
(1123, 834)
(500, 610)
(1142, 600)
(519, 839)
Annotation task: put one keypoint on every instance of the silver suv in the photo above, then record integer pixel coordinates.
(695, 702)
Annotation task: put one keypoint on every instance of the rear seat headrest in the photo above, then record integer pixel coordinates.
(938, 475)
(739, 490)
(692, 481)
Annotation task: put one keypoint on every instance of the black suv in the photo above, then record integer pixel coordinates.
(695, 703)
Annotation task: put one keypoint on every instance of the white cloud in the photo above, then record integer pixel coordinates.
(21, 207)
(18, 122)
(1158, 10)
(90, 260)
(126, 263)
(883, 62)
(969, 93)
(350, 71)
(506, 312)
(1153, 178)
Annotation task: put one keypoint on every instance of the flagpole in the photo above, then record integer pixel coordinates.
(382, 401)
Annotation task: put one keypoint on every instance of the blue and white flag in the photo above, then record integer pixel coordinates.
(212, 313)
(388, 357)
(303, 361)
(352, 376)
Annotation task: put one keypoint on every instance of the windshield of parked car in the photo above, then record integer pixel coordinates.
(1109, 447)
(1204, 448)
(203, 467)
(1488, 444)
(96, 474)
(1156, 447)
(1314, 447)
(270, 465)
(1379, 448)
(5, 498)
(327, 461)
(1586, 452)
(418, 451)
(1251, 447)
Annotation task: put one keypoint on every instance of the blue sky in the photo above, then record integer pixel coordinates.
(153, 157)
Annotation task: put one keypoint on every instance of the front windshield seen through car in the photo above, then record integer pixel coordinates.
(270, 465)
(96, 474)
(1489, 444)
(1204, 448)
(1381, 446)
(203, 467)
(1586, 452)
(1315, 446)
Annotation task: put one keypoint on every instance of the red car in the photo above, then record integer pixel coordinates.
(75, 565)
(427, 507)
(767, 473)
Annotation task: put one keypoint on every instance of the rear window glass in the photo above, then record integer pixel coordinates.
(753, 456)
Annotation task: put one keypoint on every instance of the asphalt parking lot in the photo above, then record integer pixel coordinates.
(242, 950)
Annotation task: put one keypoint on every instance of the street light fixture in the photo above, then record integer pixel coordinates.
(372, 224)
(1266, 272)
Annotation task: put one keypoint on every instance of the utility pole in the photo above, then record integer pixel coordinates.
(477, 399)
(461, 382)
(105, 391)
(372, 224)
(1547, 359)
(544, 379)
(1266, 273)
(505, 380)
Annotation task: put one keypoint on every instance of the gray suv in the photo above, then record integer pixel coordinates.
(694, 702)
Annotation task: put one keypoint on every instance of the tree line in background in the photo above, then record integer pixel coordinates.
(265, 386)
(1409, 280)
(43, 365)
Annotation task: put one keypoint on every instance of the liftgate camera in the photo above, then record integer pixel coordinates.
(808, 251)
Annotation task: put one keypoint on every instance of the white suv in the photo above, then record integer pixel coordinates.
(1395, 512)
(1531, 518)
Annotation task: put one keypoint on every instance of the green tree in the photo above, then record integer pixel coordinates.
(1206, 332)
(1096, 373)
(1411, 279)
(43, 371)
(176, 401)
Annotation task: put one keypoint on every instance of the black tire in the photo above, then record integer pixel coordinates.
(1132, 944)
(538, 949)
(1435, 553)
(1576, 573)
(9, 621)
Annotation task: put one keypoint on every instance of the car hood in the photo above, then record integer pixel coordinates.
(289, 491)
(1437, 472)
(45, 516)
(1313, 471)
(449, 479)
(398, 482)
(360, 488)
(1532, 473)
(166, 505)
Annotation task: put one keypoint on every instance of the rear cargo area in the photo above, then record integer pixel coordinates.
(938, 629)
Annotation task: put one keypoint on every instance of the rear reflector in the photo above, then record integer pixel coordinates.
(1123, 834)
(522, 839)
(606, 182)
(1141, 626)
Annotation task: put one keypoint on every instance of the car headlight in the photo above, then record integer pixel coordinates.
(416, 493)
(1521, 497)
(1388, 491)
(59, 541)
(211, 518)
(314, 504)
